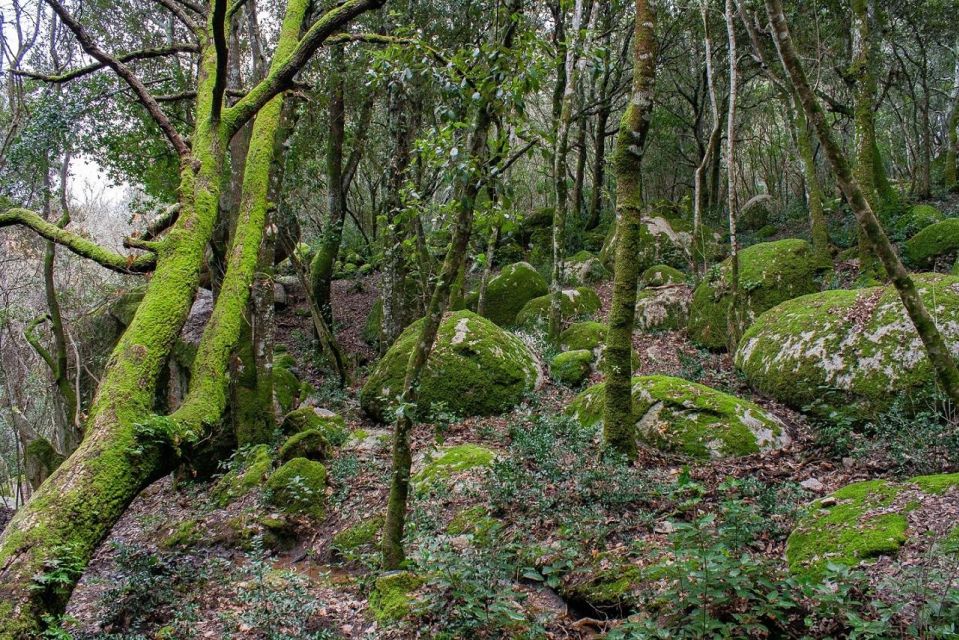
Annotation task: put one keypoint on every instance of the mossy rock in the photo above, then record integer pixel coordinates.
(938, 242)
(475, 369)
(575, 303)
(332, 426)
(452, 461)
(359, 535)
(585, 268)
(473, 521)
(583, 335)
(767, 232)
(663, 308)
(506, 294)
(299, 486)
(606, 585)
(862, 520)
(769, 273)
(683, 417)
(374, 324)
(755, 217)
(391, 599)
(287, 389)
(848, 350)
(660, 275)
(572, 367)
(917, 218)
(250, 471)
(184, 534)
(310, 444)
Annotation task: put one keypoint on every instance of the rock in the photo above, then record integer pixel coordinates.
(660, 275)
(663, 308)
(812, 484)
(391, 598)
(664, 527)
(575, 303)
(475, 369)
(916, 219)
(860, 521)
(605, 584)
(769, 273)
(366, 533)
(288, 391)
(679, 416)
(853, 351)
(583, 335)
(368, 441)
(280, 299)
(506, 294)
(331, 426)
(572, 367)
(585, 268)
(299, 486)
(767, 232)
(310, 444)
(452, 461)
(936, 244)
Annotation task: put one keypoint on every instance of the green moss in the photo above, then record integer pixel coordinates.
(360, 535)
(607, 584)
(808, 353)
(939, 240)
(391, 598)
(286, 388)
(660, 275)
(936, 484)
(474, 521)
(583, 335)
(766, 232)
(769, 273)
(506, 294)
(851, 530)
(185, 534)
(250, 472)
(374, 324)
(475, 368)
(916, 219)
(572, 367)
(683, 417)
(310, 444)
(575, 303)
(332, 426)
(299, 486)
(43, 453)
(454, 460)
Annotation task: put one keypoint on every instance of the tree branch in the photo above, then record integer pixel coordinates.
(218, 20)
(151, 105)
(78, 244)
(142, 54)
(181, 15)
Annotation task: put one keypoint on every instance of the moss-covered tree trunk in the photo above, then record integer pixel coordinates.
(619, 428)
(950, 170)
(733, 320)
(126, 445)
(814, 195)
(936, 349)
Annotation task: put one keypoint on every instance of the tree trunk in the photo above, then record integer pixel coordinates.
(734, 322)
(699, 188)
(950, 171)
(619, 428)
(814, 196)
(936, 349)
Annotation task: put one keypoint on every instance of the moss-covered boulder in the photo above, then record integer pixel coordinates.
(249, 470)
(936, 245)
(288, 391)
(332, 426)
(769, 273)
(506, 294)
(475, 369)
(585, 268)
(663, 308)
(474, 521)
(916, 219)
(575, 303)
(572, 367)
(299, 486)
(310, 444)
(583, 335)
(862, 520)
(848, 350)
(357, 536)
(679, 416)
(454, 460)
(392, 596)
(660, 275)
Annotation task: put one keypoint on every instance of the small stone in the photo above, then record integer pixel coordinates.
(848, 462)
(812, 484)
(460, 543)
(828, 501)
(665, 527)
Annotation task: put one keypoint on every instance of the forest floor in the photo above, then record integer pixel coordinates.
(179, 563)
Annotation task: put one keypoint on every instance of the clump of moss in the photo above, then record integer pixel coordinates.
(850, 350)
(299, 486)
(660, 275)
(286, 385)
(679, 416)
(41, 451)
(454, 460)
(506, 294)
(332, 426)
(572, 367)
(606, 585)
(185, 534)
(250, 471)
(937, 241)
(916, 219)
(575, 303)
(360, 535)
(474, 521)
(475, 368)
(583, 335)
(391, 598)
(310, 444)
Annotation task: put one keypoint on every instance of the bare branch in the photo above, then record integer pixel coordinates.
(142, 54)
(147, 100)
(76, 243)
(181, 15)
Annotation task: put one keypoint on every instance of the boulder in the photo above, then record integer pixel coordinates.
(506, 294)
(451, 461)
(867, 519)
(585, 268)
(769, 273)
(310, 444)
(683, 417)
(299, 486)
(475, 369)
(853, 350)
(584, 335)
(660, 275)
(332, 426)
(572, 367)
(392, 596)
(936, 245)
(664, 308)
(916, 219)
(578, 302)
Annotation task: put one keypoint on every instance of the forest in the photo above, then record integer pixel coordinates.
(532, 319)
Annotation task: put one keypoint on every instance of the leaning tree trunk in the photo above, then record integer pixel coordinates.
(619, 428)
(936, 349)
